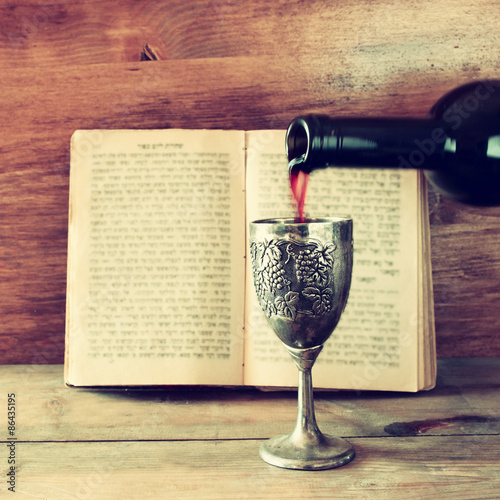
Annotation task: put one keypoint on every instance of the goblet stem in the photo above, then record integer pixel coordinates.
(306, 448)
(306, 429)
(306, 432)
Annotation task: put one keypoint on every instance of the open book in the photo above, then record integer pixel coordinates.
(158, 290)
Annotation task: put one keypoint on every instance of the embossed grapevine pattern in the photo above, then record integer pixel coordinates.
(280, 291)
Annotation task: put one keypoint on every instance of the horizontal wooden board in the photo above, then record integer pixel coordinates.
(385, 468)
(49, 411)
(203, 443)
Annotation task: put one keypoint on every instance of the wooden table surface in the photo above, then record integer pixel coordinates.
(203, 443)
(225, 64)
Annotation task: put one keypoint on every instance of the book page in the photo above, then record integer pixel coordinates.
(376, 344)
(156, 258)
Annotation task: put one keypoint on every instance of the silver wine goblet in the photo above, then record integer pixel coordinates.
(302, 276)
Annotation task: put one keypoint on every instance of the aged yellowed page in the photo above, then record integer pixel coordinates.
(156, 258)
(378, 343)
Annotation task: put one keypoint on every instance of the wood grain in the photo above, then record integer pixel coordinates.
(456, 406)
(217, 64)
(412, 468)
(81, 444)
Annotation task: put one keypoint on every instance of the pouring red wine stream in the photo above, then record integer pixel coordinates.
(298, 183)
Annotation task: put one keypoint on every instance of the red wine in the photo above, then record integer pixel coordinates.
(457, 145)
(298, 183)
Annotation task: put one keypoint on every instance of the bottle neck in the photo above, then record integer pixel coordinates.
(317, 141)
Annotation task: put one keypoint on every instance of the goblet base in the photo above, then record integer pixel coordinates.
(330, 452)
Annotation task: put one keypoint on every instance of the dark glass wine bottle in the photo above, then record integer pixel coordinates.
(457, 144)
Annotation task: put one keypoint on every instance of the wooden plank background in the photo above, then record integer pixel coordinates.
(225, 64)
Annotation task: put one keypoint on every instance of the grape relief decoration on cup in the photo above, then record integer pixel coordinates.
(293, 277)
